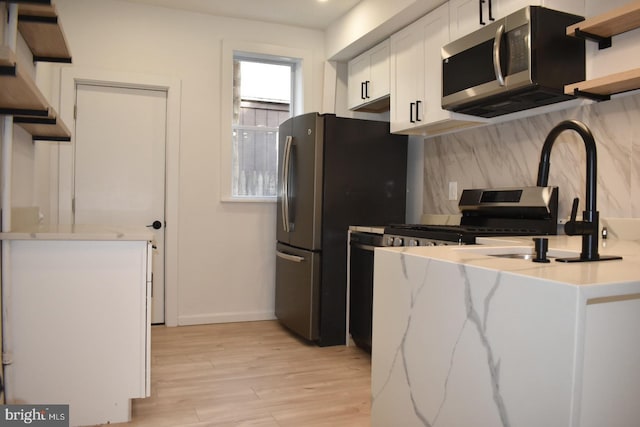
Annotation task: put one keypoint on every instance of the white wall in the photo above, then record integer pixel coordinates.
(226, 250)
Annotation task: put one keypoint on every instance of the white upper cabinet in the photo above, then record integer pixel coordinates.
(407, 81)
(416, 78)
(368, 80)
(470, 15)
(467, 16)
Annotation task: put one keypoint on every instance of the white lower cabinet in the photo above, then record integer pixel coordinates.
(416, 78)
(78, 324)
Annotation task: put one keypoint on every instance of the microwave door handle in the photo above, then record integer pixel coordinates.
(497, 41)
(285, 183)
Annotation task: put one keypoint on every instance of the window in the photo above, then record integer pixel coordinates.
(262, 86)
(261, 101)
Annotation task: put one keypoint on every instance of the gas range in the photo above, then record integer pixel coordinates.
(524, 211)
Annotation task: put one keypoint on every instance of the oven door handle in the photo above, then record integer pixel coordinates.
(497, 41)
(365, 247)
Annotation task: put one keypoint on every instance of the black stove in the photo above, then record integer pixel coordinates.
(525, 211)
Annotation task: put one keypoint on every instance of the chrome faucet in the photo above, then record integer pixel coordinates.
(588, 227)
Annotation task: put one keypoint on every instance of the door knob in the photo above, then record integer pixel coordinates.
(156, 225)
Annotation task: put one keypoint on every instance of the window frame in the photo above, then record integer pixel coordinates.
(301, 60)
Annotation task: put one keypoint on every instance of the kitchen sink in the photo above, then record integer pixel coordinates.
(518, 256)
(517, 252)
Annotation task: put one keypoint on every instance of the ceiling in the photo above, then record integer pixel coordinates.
(303, 13)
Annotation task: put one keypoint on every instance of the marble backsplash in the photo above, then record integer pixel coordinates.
(508, 154)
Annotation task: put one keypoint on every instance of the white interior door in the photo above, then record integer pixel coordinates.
(119, 165)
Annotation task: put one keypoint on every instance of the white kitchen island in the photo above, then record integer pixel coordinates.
(463, 338)
(77, 319)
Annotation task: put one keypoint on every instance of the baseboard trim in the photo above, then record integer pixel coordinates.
(203, 319)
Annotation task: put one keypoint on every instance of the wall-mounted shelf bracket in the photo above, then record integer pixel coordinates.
(7, 70)
(603, 42)
(24, 112)
(38, 19)
(44, 128)
(593, 96)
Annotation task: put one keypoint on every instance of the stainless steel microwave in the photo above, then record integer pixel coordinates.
(521, 61)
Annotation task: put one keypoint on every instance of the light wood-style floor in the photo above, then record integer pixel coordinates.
(252, 374)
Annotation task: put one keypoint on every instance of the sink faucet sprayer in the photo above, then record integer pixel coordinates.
(588, 227)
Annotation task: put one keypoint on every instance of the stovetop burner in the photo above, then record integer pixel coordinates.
(456, 233)
(462, 229)
(522, 211)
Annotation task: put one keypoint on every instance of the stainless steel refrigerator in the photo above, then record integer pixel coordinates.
(332, 172)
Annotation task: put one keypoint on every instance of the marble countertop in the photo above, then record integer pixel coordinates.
(368, 228)
(79, 232)
(579, 274)
(464, 338)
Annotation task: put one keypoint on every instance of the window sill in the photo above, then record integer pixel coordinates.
(247, 199)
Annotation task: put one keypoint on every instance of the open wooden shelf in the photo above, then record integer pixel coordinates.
(39, 26)
(601, 29)
(607, 85)
(48, 128)
(18, 92)
(20, 97)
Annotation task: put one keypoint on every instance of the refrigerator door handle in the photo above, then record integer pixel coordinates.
(285, 183)
(289, 257)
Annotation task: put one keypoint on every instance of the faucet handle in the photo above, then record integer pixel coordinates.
(574, 209)
(571, 227)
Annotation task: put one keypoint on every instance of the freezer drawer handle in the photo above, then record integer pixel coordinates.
(289, 257)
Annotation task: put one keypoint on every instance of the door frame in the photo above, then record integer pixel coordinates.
(69, 78)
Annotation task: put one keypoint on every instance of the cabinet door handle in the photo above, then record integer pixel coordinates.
(418, 119)
(491, 18)
(411, 112)
(366, 89)
(480, 3)
(362, 89)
